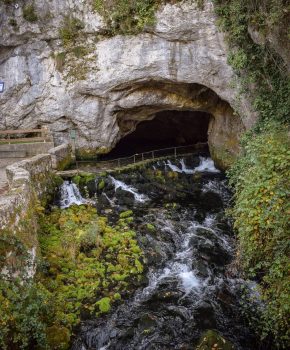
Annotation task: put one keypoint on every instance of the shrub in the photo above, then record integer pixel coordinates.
(261, 183)
(70, 30)
(29, 13)
(127, 16)
(23, 307)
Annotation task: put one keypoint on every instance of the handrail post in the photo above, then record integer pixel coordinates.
(153, 154)
(142, 157)
(134, 158)
(175, 154)
(118, 162)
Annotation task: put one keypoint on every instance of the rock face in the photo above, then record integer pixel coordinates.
(180, 64)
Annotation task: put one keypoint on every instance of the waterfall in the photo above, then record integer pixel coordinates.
(119, 184)
(206, 164)
(70, 194)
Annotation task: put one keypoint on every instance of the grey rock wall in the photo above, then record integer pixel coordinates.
(123, 79)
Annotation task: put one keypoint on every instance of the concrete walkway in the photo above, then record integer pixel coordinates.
(3, 179)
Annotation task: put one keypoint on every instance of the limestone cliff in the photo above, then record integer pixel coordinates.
(103, 86)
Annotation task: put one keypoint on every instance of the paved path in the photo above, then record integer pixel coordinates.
(3, 179)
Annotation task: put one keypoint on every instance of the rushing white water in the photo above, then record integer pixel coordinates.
(173, 167)
(70, 194)
(184, 168)
(205, 165)
(137, 196)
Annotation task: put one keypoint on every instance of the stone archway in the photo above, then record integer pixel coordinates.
(150, 100)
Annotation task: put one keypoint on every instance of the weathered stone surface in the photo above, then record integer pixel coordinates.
(127, 78)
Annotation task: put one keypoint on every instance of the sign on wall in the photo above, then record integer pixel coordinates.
(2, 86)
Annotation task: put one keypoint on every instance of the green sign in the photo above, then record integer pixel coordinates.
(73, 134)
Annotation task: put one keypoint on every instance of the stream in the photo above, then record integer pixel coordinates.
(191, 284)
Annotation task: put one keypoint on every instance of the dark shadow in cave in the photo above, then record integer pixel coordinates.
(166, 129)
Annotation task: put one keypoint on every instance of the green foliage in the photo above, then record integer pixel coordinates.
(127, 16)
(151, 227)
(213, 340)
(261, 182)
(86, 267)
(126, 214)
(22, 309)
(259, 177)
(13, 22)
(80, 51)
(104, 304)
(88, 263)
(70, 30)
(259, 69)
(29, 13)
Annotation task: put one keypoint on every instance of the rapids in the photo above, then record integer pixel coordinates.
(190, 285)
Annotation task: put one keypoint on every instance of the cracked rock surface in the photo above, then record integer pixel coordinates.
(180, 64)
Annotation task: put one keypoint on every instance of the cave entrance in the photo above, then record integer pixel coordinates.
(169, 128)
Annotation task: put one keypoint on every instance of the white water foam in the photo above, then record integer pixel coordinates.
(189, 281)
(205, 165)
(137, 196)
(70, 194)
(173, 167)
(184, 168)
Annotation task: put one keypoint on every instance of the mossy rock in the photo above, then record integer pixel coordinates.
(101, 185)
(126, 214)
(212, 340)
(58, 337)
(150, 227)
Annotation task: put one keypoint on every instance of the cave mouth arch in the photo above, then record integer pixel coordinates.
(200, 112)
(167, 128)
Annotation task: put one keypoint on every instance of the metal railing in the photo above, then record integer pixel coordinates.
(16, 136)
(140, 157)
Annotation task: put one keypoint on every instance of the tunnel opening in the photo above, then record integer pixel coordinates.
(169, 128)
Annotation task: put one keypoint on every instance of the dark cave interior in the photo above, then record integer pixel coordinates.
(168, 128)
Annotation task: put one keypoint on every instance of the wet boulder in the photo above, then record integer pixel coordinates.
(213, 340)
(205, 315)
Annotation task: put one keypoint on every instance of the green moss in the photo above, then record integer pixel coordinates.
(101, 184)
(58, 337)
(222, 157)
(151, 227)
(89, 264)
(13, 22)
(80, 51)
(29, 13)
(126, 214)
(70, 30)
(104, 305)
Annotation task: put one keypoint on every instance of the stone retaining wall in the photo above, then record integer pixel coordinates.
(31, 182)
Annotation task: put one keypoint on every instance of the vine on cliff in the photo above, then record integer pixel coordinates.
(259, 176)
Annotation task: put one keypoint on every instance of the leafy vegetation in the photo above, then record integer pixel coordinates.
(70, 30)
(127, 16)
(261, 72)
(87, 266)
(29, 13)
(260, 178)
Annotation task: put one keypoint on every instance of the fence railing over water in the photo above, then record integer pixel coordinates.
(139, 157)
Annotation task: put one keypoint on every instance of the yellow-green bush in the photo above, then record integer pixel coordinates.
(261, 213)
